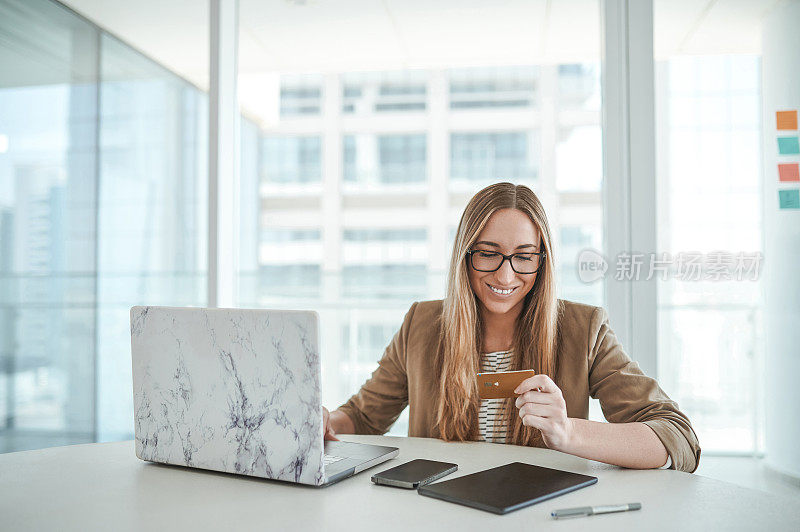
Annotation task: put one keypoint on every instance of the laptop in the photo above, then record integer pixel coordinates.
(237, 391)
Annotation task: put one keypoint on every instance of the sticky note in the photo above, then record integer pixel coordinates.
(789, 172)
(786, 119)
(789, 199)
(788, 146)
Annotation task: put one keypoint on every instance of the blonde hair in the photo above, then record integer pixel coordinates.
(534, 343)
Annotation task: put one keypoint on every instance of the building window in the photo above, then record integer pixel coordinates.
(488, 88)
(385, 281)
(579, 86)
(492, 157)
(378, 92)
(301, 95)
(283, 236)
(385, 235)
(291, 159)
(385, 159)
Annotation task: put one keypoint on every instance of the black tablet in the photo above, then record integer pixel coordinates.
(507, 488)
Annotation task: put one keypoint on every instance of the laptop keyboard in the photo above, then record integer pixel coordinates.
(330, 459)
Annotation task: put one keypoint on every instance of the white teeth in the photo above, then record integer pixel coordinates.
(501, 292)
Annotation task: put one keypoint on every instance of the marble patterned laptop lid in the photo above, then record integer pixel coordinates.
(229, 390)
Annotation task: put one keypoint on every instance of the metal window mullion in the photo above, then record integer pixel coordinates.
(223, 137)
(629, 199)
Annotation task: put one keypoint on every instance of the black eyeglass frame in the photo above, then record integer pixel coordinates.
(542, 254)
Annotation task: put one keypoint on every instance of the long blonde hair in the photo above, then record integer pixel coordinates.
(534, 343)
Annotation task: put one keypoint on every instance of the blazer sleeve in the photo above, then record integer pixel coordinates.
(381, 399)
(628, 395)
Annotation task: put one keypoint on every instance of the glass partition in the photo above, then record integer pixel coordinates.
(48, 206)
(103, 165)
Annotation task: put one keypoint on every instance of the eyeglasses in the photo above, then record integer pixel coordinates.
(491, 261)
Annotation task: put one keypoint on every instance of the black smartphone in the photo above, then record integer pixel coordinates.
(414, 474)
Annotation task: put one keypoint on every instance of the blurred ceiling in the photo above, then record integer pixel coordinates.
(360, 35)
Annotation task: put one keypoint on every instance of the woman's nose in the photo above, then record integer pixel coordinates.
(505, 274)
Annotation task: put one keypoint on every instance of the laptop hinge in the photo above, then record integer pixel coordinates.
(376, 461)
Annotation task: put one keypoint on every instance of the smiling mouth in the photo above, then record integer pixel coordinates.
(499, 291)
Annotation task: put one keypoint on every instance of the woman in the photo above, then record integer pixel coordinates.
(501, 313)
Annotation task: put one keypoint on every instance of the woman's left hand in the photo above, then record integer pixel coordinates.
(541, 405)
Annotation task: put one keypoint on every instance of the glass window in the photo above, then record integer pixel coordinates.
(290, 235)
(579, 86)
(288, 160)
(708, 139)
(380, 247)
(367, 336)
(281, 280)
(476, 88)
(377, 92)
(152, 210)
(402, 158)
(48, 203)
(385, 159)
(78, 248)
(300, 95)
(385, 235)
(401, 151)
(572, 240)
(490, 157)
(579, 158)
(384, 281)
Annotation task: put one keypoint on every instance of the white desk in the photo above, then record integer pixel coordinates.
(105, 487)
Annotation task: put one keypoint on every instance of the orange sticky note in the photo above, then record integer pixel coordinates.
(786, 119)
(789, 172)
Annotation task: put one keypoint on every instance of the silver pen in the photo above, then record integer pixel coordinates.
(592, 510)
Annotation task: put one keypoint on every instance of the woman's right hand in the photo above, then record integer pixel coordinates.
(327, 430)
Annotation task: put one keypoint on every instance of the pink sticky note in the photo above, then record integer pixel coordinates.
(789, 172)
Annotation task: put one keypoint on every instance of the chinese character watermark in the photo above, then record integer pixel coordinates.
(682, 266)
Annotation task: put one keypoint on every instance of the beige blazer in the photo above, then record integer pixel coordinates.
(591, 363)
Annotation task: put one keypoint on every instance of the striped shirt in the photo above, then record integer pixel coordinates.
(491, 411)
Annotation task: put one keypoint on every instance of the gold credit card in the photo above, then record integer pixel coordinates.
(501, 384)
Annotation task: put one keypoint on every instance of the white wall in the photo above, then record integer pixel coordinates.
(781, 91)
